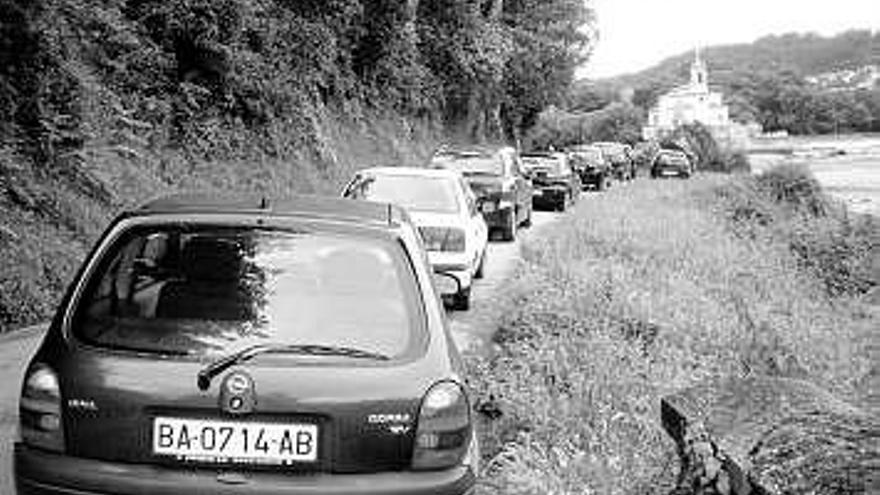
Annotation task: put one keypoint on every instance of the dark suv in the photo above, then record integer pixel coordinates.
(619, 155)
(556, 184)
(240, 346)
(591, 165)
(496, 177)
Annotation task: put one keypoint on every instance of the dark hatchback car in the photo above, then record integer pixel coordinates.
(671, 162)
(556, 185)
(591, 165)
(619, 156)
(495, 175)
(237, 346)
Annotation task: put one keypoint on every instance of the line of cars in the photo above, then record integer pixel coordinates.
(240, 345)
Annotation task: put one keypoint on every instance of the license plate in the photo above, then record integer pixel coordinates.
(488, 207)
(537, 192)
(235, 441)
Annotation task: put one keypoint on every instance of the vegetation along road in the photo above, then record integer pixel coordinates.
(629, 295)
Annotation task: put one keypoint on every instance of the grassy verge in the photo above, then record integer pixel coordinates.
(637, 293)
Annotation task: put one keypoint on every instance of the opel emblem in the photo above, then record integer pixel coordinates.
(237, 394)
(238, 383)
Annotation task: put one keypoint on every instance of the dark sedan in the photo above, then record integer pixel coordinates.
(243, 346)
(671, 162)
(591, 166)
(495, 176)
(555, 183)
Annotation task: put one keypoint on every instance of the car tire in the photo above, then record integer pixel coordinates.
(508, 232)
(481, 268)
(461, 301)
(600, 182)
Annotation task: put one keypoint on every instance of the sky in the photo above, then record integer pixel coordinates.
(636, 34)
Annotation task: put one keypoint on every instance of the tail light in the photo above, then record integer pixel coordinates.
(444, 431)
(443, 239)
(40, 409)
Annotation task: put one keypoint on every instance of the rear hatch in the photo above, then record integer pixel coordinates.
(166, 301)
(339, 418)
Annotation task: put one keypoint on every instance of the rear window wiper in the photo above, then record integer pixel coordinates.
(223, 363)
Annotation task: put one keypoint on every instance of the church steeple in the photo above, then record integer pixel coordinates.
(699, 73)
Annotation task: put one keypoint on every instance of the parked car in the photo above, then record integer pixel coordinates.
(555, 183)
(495, 175)
(445, 211)
(590, 164)
(619, 155)
(671, 162)
(239, 345)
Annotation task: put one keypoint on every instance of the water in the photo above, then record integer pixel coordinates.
(847, 166)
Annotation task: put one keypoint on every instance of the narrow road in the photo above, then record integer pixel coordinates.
(15, 350)
(472, 329)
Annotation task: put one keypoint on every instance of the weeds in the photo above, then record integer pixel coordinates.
(636, 294)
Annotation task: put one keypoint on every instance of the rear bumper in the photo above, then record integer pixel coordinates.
(499, 218)
(592, 176)
(549, 197)
(43, 473)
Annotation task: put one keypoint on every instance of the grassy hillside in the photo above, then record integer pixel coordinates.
(655, 287)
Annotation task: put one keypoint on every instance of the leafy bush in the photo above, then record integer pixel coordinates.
(559, 129)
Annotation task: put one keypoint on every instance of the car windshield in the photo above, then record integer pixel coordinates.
(208, 291)
(591, 155)
(551, 165)
(413, 192)
(470, 164)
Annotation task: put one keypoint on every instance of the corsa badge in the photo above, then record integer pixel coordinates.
(237, 394)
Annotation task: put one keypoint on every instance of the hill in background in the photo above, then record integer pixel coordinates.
(773, 81)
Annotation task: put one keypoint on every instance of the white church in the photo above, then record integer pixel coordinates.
(695, 102)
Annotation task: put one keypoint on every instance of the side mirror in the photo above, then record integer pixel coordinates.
(446, 283)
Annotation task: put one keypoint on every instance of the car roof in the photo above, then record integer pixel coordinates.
(473, 149)
(310, 206)
(412, 172)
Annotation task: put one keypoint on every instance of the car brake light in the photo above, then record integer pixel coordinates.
(40, 409)
(444, 430)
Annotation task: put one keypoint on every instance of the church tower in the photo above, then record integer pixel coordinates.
(699, 73)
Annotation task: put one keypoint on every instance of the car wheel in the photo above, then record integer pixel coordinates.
(560, 206)
(508, 232)
(600, 182)
(481, 267)
(461, 301)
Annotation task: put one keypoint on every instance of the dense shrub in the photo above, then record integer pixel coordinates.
(559, 129)
(634, 296)
(697, 140)
(788, 203)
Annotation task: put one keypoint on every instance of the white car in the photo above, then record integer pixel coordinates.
(444, 209)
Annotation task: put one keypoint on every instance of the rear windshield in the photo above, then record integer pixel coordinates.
(469, 164)
(209, 290)
(415, 193)
(673, 158)
(552, 165)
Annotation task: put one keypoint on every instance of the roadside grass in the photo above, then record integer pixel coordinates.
(635, 294)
